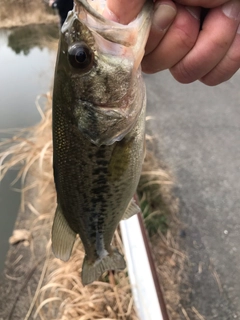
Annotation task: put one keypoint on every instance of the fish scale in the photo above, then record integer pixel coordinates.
(99, 104)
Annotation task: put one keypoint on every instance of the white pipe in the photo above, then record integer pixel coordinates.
(143, 288)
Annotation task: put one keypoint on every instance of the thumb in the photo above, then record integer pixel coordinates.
(123, 11)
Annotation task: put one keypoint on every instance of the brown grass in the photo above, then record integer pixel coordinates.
(60, 294)
(23, 12)
(160, 213)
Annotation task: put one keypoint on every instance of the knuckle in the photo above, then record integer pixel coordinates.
(220, 44)
(212, 81)
(217, 76)
(150, 66)
(203, 3)
(233, 54)
(209, 81)
(183, 73)
(147, 67)
(186, 38)
(234, 58)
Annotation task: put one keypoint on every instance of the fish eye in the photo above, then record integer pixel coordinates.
(80, 56)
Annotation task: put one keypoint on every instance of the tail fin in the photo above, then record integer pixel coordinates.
(91, 272)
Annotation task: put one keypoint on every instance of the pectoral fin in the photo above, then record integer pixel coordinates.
(63, 237)
(144, 149)
(132, 209)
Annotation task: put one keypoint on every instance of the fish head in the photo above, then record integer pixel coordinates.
(98, 68)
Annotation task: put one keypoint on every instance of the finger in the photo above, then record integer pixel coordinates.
(164, 14)
(227, 67)
(123, 11)
(218, 32)
(202, 3)
(178, 41)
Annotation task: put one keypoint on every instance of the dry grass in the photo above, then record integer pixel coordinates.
(160, 212)
(23, 12)
(64, 293)
(60, 294)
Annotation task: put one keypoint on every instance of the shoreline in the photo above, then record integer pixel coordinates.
(4, 26)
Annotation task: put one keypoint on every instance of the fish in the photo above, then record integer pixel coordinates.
(98, 128)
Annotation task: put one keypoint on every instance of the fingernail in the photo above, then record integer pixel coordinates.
(163, 16)
(232, 9)
(194, 11)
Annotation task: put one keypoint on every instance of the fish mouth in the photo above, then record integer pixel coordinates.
(110, 36)
(127, 35)
(90, 9)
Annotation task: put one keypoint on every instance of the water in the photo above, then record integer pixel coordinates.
(27, 58)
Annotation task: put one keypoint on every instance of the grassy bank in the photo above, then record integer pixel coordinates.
(61, 290)
(23, 12)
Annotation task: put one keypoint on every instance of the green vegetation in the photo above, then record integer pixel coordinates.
(25, 38)
(154, 209)
(153, 191)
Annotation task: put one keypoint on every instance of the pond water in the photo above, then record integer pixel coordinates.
(27, 58)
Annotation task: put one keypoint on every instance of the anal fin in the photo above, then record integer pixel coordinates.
(63, 237)
(132, 209)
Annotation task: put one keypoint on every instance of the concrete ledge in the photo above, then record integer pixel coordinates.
(23, 267)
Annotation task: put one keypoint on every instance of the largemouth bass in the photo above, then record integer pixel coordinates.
(99, 104)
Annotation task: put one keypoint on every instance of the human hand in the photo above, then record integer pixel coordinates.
(211, 55)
